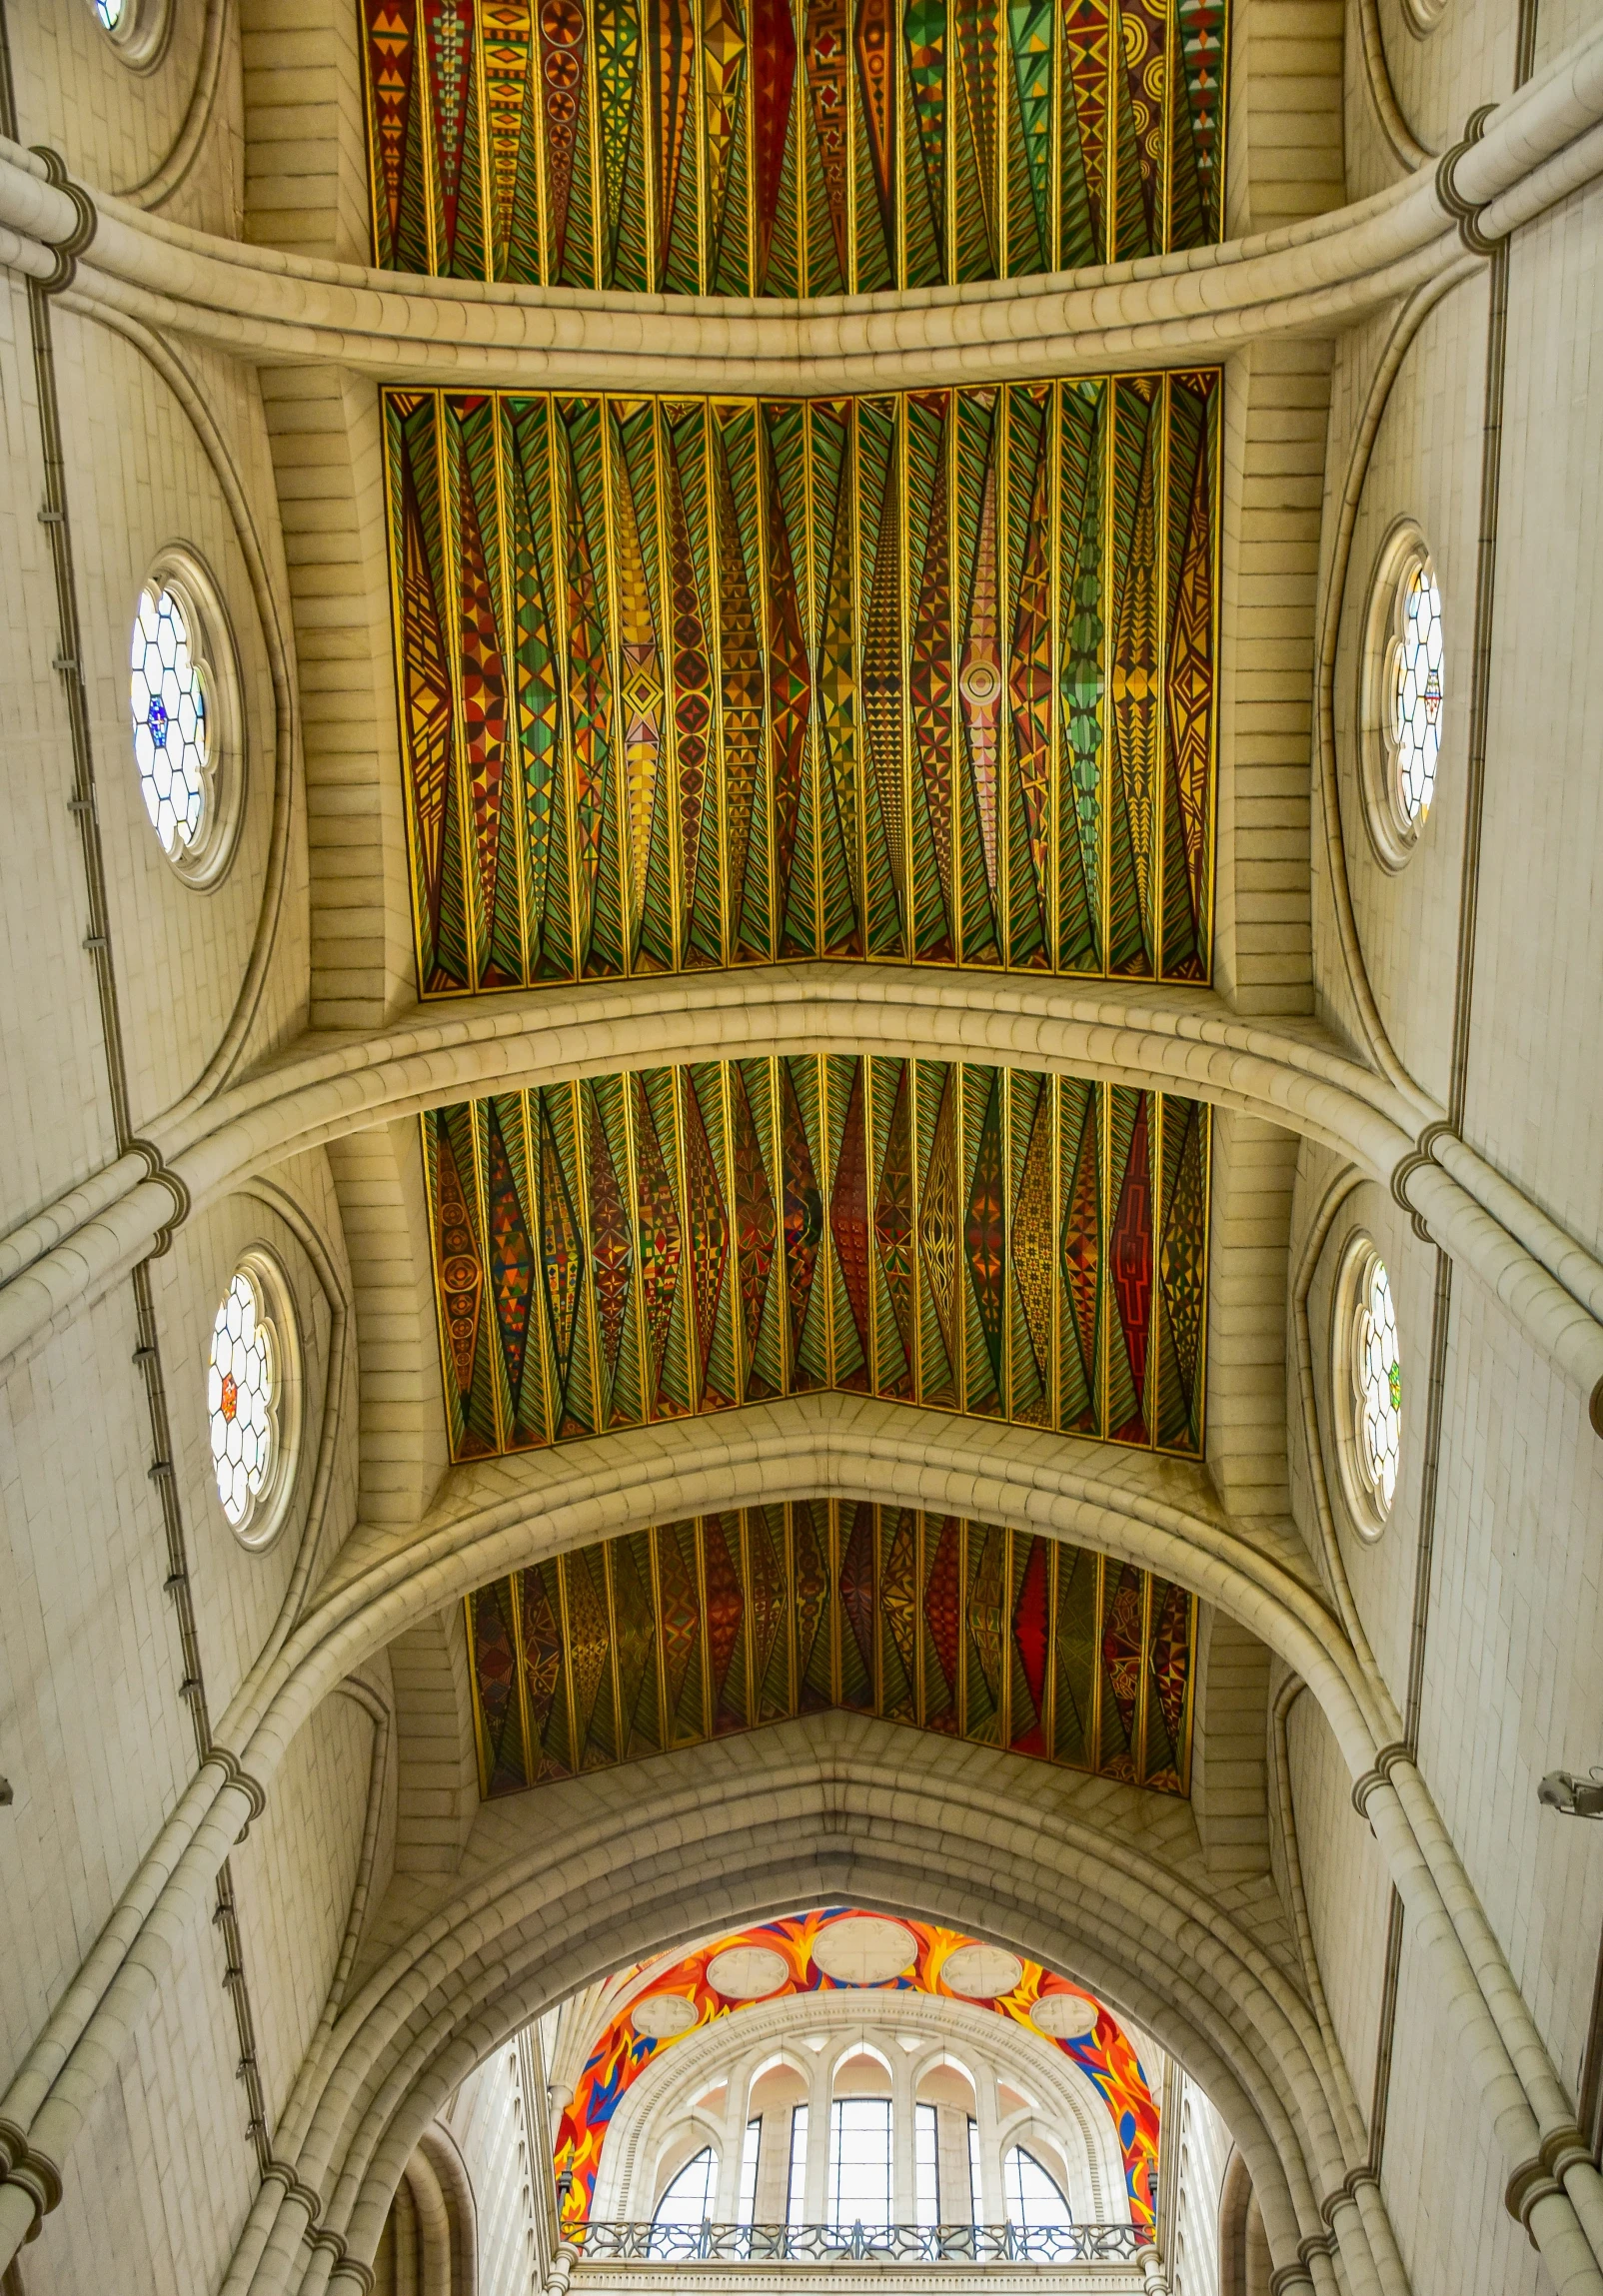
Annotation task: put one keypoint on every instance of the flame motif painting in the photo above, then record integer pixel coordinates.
(622, 2054)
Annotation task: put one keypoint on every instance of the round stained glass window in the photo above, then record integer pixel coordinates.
(252, 1391)
(183, 699)
(137, 29)
(1367, 1373)
(1403, 697)
(171, 741)
(1415, 679)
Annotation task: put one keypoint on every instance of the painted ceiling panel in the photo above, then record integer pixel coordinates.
(635, 1247)
(927, 679)
(669, 1637)
(705, 147)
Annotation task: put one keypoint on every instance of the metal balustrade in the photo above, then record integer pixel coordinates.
(855, 2243)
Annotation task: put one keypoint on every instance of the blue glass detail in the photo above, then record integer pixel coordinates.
(156, 720)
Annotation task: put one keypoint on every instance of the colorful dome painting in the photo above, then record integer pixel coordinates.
(1105, 2055)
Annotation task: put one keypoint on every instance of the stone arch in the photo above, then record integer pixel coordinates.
(848, 2053)
(1245, 2263)
(430, 2242)
(495, 1516)
(819, 1810)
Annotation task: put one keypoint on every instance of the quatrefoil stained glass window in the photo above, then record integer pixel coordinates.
(166, 694)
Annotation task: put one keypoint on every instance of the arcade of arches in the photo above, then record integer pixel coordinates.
(802, 1286)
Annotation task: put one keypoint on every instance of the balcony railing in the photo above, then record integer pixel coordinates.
(855, 2243)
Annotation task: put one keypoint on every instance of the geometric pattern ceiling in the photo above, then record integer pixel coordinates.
(755, 148)
(637, 1247)
(666, 1638)
(621, 2053)
(691, 682)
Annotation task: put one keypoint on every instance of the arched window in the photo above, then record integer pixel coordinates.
(796, 2196)
(1031, 2194)
(926, 2164)
(859, 2161)
(689, 2198)
(749, 2153)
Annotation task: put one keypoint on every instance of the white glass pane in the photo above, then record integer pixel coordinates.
(689, 2198)
(749, 2153)
(1033, 2197)
(859, 2161)
(795, 2198)
(926, 2164)
(976, 2188)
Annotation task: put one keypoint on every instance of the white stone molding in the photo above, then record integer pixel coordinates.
(334, 1285)
(680, 2279)
(1406, 148)
(1404, 329)
(1176, 1039)
(261, 303)
(278, 644)
(1346, 2101)
(265, 306)
(169, 176)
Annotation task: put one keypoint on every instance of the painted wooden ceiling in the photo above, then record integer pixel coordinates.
(928, 678)
(790, 146)
(670, 1636)
(637, 1247)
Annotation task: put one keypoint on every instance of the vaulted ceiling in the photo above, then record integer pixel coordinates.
(771, 150)
(635, 1248)
(665, 1637)
(687, 685)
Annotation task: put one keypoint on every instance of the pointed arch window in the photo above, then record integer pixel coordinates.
(750, 2152)
(926, 2164)
(796, 2199)
(689, 2198)
(1034, 2197)
(859, 2161)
